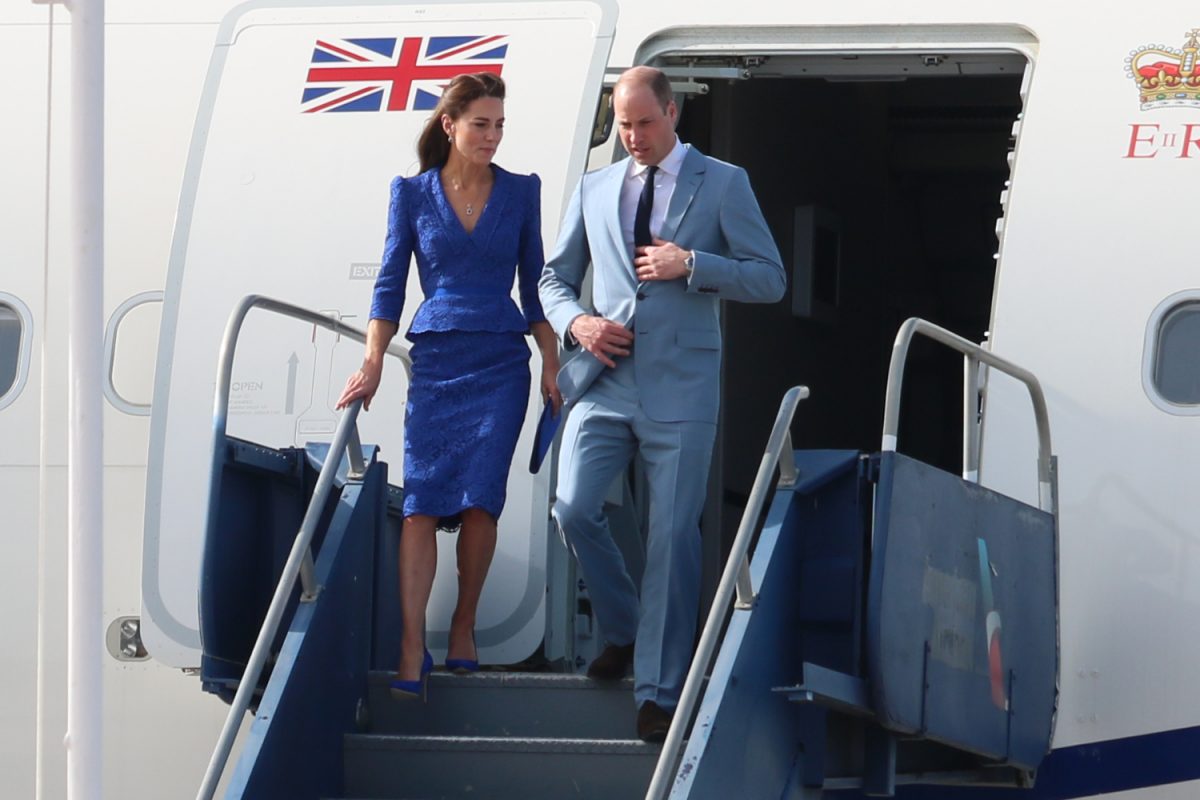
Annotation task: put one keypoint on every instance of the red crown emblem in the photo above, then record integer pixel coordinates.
(1166, 76)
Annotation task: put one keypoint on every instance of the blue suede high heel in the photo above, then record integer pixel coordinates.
(464, 666)
(410, 690)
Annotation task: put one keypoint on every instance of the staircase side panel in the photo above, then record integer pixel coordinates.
(294, 748)
(255, 519)
(749, 741)
(963, 615)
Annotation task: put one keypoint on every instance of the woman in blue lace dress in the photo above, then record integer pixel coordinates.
(471, 226)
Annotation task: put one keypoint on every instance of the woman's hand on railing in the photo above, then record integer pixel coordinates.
(363, 383)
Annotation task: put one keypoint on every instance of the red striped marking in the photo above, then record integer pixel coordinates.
(345, 99)
(464, 47)
(340, 51)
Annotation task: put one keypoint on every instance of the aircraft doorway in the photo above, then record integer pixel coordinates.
(883, 191)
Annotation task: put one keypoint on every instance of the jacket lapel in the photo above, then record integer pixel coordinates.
(691, 175)
(492, 211)
(455, 234)
(611, 197)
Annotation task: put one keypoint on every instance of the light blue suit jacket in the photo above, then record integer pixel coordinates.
(676, 324)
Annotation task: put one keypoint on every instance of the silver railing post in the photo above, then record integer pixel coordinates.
(745, 586)
(358, 467)
(736, 577)
(970, 444)
(309, 590)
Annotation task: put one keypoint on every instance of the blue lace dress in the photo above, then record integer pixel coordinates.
(470, 383)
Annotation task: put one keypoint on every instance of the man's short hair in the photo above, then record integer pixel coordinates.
(652, 78)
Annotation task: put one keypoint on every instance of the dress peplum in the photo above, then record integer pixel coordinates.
(470, 383)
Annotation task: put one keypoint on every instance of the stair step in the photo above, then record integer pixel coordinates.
(496, 767)
(544, 705)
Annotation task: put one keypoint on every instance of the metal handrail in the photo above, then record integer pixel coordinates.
(233, 328)
(736, 577)
(973, 356)
(300, 561)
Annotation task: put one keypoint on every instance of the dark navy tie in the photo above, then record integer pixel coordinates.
(641, 220)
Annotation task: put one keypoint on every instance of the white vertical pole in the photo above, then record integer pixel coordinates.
(85, 638)
(43, 691)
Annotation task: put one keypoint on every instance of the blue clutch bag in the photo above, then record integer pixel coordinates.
(546, 428)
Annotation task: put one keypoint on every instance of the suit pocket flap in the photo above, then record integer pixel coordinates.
(699, 339)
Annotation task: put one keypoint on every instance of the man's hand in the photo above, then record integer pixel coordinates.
(601, 337)
(661, 261)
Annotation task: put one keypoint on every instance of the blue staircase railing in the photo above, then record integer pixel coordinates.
(736, 577)
(318, 685)
(904, 627)
(300, 564)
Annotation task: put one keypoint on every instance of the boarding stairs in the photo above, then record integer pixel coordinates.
(862, 651)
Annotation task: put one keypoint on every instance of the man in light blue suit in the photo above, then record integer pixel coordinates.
(669, 233)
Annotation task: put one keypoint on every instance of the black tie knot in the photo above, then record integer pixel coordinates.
(641, 220)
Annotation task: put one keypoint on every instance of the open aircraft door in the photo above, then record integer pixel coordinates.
(308, 111)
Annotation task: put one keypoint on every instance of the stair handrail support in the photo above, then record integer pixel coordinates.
(345, 443)
(735, 579)
(973, 355)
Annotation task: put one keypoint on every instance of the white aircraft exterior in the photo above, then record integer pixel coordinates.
(230, 171)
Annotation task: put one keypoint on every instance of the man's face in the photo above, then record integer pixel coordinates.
(647, 132)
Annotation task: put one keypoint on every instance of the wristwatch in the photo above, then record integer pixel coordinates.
(689, 263)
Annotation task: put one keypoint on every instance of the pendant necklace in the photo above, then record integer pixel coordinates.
(458, 187)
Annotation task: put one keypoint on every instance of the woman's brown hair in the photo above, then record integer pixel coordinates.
(433, 147)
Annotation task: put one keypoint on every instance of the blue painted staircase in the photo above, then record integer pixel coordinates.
(325, 725)
(904, 631)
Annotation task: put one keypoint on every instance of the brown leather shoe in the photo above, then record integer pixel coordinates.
(612, 663)
(653, 722)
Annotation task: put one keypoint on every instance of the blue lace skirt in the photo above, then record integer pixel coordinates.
(465, 407)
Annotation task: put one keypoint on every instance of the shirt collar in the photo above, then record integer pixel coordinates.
(671, 164)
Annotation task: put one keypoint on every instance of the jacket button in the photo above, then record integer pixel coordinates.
(641, 295)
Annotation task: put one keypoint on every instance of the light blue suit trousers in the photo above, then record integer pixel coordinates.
(659, 403)
(603, 432)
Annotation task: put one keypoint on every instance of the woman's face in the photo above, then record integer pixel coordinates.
(477, 133)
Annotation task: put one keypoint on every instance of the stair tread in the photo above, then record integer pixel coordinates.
(500, 743)
(529, 680)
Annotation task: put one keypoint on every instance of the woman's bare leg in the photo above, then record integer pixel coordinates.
(476, 546)
(418, 561)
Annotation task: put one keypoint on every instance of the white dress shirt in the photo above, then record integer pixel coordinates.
(664, 187)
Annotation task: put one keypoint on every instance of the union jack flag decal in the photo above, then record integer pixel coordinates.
(400, 74)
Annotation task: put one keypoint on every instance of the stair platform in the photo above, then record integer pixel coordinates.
(499, 735)
(525, 704)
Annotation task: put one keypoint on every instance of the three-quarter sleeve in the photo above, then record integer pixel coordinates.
(530, 256)
(388, 299)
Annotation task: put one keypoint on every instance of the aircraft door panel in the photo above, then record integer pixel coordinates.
(285, 195)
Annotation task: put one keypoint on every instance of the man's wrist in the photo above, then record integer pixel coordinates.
(689, 264)
(571, 338)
